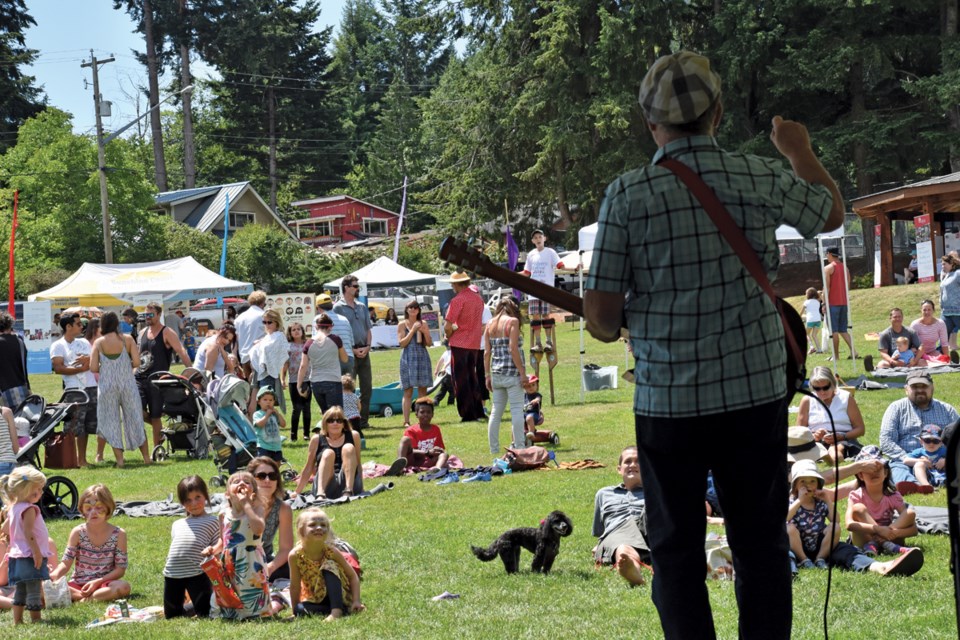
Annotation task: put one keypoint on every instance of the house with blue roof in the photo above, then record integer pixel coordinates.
(203, 208)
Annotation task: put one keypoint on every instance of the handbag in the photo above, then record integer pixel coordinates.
(220, 580)
(60, 452)
(794, 332)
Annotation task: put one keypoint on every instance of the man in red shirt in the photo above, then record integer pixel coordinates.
(837, 277)
(463, 328)
(422, 443)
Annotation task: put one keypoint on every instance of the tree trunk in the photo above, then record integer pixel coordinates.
(949, 33)
(562, 203)
(272, 141)
(156, 132)
(864, 178)
(189, 156)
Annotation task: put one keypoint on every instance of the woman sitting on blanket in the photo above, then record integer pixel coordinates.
(847, 418)
(932, 331)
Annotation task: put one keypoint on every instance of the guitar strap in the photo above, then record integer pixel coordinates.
(735, 238)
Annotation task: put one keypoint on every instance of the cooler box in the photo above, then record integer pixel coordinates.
(599, 379)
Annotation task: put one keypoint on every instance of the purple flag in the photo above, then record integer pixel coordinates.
(513, 252)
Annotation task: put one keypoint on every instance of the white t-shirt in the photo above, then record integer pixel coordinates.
(70, 351)
(541, 265)
(249, 326)
(812, 307)
(485, 317)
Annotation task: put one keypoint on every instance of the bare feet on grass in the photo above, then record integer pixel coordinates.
(630, 571)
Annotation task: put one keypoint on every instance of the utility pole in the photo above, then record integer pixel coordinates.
(94, 64)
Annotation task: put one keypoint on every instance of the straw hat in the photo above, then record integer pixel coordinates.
(802, 446)
(459, 276)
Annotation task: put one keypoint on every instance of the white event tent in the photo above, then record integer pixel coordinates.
(384, 272)
(112, 285)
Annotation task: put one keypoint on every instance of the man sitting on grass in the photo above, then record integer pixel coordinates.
(619, 521)
(422, 443)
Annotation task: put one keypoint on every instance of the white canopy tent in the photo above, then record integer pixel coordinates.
(384, 272)
(166, 281)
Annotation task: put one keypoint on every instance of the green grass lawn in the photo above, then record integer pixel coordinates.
(414, 540)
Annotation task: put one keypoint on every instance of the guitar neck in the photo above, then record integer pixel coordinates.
(465, 257)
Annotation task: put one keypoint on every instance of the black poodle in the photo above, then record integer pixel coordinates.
(543, 542)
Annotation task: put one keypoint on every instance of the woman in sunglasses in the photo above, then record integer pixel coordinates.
(846, 416)
(334, 455)
(278, 517)
(269, 355)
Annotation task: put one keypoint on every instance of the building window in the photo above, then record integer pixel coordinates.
(240, 219)
(316, 229)
(375, 226)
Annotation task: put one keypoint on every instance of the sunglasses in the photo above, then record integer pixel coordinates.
(149, 315)
(825, 388)
(932, 440)
(339, 420)
(262, 475)
(268, 322)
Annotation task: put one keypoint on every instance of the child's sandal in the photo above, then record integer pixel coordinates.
(347, 493)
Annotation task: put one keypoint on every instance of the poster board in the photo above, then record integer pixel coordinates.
(37, 325)
(876, 255)
(295, 307)
(432, 318)
(926, 270)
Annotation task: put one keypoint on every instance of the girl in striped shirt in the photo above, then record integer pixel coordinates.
(97, 549)
(191, 535)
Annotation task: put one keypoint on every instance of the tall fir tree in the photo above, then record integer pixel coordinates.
(19, 98)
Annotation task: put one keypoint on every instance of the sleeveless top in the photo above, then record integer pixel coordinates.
(312, 586)
(271, 523)
(160, 355)
(501, 359)
(337, 451)
(838, 407)
(95, 561)
(838, 286)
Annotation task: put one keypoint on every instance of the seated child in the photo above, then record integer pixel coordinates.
(422, 443)
(930, 460)
(267, 422)
(533, 414)
(182, 573)
(904, 355)
(877, 517)
(321, 579)
(99, 550)
(807, 529)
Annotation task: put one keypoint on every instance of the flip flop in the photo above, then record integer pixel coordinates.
(906, 565)
(432, 475)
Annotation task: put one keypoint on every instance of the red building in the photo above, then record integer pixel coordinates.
(340, 219)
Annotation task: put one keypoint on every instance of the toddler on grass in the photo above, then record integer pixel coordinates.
(321, 579)
(182, 573)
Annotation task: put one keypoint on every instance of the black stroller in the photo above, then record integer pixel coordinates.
(60, 495)
(183, 407)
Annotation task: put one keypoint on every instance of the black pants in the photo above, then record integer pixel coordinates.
(466, 385)
(446, 389)
(301, 407)
(333, 599)
(198, 587)
(363, 375)
(752, 494)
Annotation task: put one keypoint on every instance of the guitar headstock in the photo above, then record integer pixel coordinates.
(464, 256)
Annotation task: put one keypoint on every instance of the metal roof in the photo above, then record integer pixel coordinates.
(211, 202)
(947, 179)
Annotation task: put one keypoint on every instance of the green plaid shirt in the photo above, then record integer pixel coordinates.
(705, 336)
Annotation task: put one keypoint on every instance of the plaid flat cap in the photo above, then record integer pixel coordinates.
(678, 88)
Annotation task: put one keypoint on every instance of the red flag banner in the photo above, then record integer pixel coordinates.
(13, 236)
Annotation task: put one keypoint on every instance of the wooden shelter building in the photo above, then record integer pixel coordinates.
(938, 197)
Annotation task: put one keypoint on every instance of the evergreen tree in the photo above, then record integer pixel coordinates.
(19, 98)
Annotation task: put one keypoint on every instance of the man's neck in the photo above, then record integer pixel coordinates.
(924, 407)
(631, 486)
(897, 328)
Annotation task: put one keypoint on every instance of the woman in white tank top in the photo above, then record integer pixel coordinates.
(847, 419)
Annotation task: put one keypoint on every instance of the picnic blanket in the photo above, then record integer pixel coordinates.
(372, 469)
(932, 519)
(169, 507)
(901, 372)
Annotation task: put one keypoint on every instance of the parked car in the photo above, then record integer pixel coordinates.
(397, 298)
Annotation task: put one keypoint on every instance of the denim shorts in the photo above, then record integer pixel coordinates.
(953, 324)
(838, 319)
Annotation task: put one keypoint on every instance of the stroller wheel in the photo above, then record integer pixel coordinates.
(216, 481)
(387, 411)
(555, 439)
(288, 475)
(60, 497)
(159, 454)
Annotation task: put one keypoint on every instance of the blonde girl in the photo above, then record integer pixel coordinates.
(877, 517)
(96, 550)
(334, 454)
(269, 355)
(241, 548)
(321, 580)
(29, 540)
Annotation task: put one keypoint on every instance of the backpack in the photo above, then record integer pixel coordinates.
(526, 458)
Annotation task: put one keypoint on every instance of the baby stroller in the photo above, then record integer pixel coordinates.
(232, 436)
(183, 406)
(60, 495)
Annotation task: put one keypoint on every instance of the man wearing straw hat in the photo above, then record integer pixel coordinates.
(463, 327)
(708, 342)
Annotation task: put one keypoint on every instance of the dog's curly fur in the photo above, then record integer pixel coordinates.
(542, 541)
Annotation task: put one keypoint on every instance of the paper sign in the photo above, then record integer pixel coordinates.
(876, 255)
(295, 307)
(925, 266)
(37, 327)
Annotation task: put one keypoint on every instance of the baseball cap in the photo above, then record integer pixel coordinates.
(919, 376)
(678, 88)
(870, 452)
(833, 251)
(533, 380)
(931, 431)
(264, 391)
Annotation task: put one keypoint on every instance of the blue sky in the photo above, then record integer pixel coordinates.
(65, 32)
